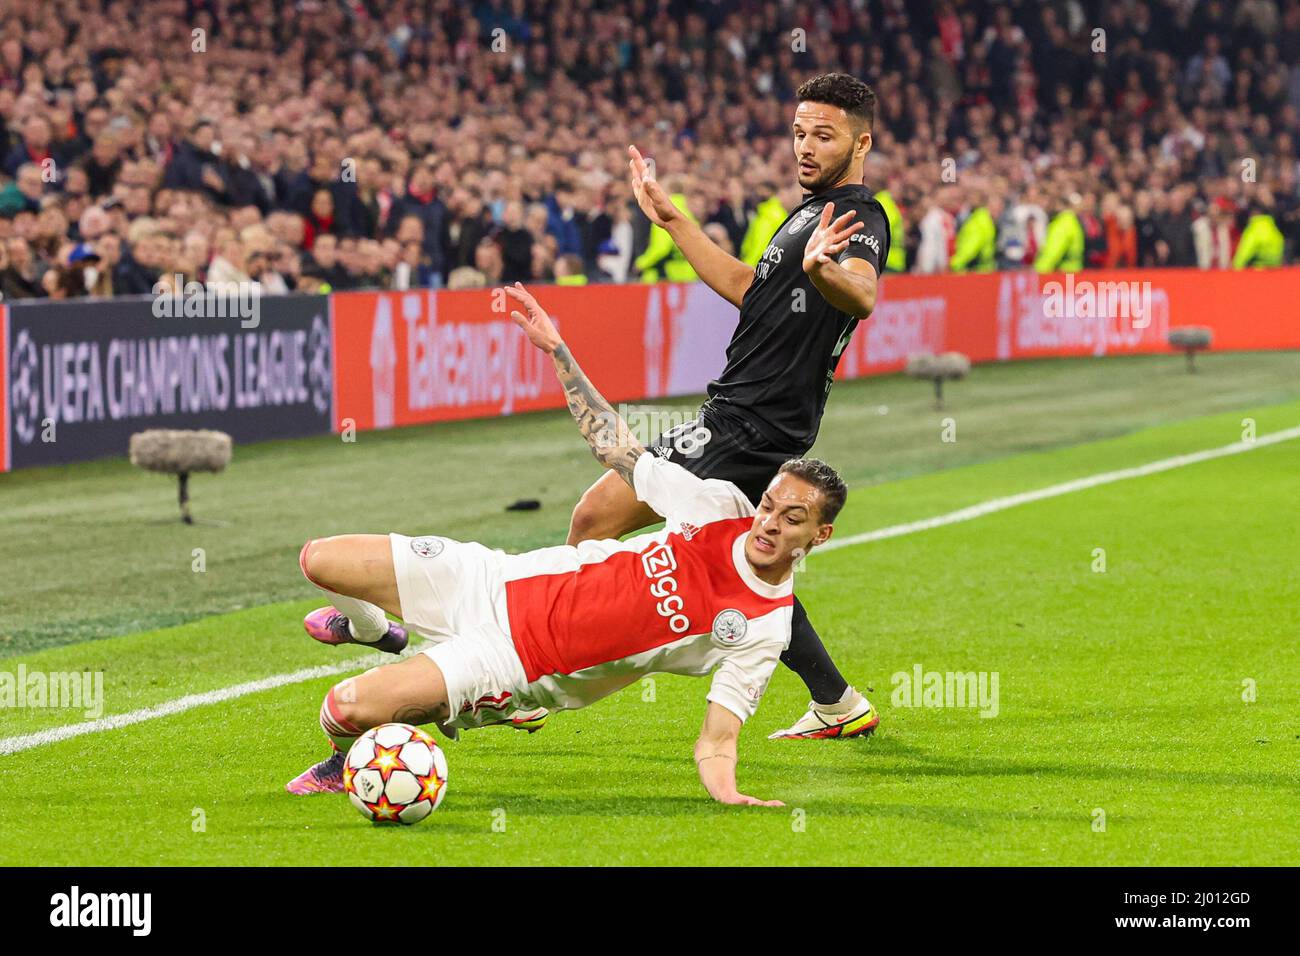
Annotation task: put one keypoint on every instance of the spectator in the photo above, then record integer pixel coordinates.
(413, 114)
(466, 277)
(516, 244)
(325, 263)
(1121, 239)
(232, 263)
(1214, 236)
(977, 239)
(421, 200)
(24, 193)
(487, 260)
(562, 220)
(1261, 241)
(662, 258)
(320, 217)
(34, 147)
(1064, 245)
(1175, 231)
(20, 279)
(938, 232)
(568, 269)
(103, 164)
(468, 223)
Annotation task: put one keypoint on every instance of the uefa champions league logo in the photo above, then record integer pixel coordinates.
(318, 364)
(729, 627)
(25, 394)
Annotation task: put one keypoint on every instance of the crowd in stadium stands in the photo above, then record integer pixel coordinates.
(321, 144)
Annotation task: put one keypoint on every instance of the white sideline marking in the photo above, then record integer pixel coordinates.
(11, 745)
(1053, 491)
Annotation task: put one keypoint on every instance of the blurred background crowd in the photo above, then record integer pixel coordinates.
(337, 144)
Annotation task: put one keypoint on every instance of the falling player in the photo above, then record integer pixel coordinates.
(562, 627)
(814, 282)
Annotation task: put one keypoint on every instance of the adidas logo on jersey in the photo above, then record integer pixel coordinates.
(689, 530)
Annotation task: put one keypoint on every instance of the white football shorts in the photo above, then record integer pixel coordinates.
(453, 592)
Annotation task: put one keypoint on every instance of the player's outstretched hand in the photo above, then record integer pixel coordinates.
(830, 238)
(537, 325)
(741, 799)
(650, 196)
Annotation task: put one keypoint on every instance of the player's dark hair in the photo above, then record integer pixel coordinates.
(848, 93)
(822, 477)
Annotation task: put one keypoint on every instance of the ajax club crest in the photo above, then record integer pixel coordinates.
(729, 627)
(428, 547)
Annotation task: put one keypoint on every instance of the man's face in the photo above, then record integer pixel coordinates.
(325, 251)
(30, 183)
(95, 121)
(788, 524)
(37, 132)
(19, 252)
(421, 179)
(146, 251)
(824, 145)
(109, 248)
(410, 229)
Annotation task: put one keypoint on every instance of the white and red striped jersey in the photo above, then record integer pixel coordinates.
(591, 619)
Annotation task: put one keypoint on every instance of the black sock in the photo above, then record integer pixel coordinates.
(807, 656)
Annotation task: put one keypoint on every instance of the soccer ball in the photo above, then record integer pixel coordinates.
(395, 773)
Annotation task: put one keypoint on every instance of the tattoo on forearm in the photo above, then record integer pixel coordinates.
(417, 715)
(608, 435)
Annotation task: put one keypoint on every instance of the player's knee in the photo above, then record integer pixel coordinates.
(317, 565)
(309, 560)
(341, 714)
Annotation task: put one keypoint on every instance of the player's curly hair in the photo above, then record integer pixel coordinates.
(822, 477)
(847, 92)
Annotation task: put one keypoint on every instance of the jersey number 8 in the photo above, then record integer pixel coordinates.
(689, 438)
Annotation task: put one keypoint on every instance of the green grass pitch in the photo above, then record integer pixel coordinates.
(1147, 713)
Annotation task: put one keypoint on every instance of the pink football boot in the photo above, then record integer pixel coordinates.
(328, 626)
(324, 777)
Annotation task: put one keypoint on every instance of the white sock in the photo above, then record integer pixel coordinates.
(366, 622)
(848, 700)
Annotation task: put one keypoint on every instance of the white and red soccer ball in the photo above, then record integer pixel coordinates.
(395, 773)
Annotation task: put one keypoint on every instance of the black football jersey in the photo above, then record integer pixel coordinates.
(782, 357)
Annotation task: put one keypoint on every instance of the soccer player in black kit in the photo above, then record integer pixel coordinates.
(815, 281)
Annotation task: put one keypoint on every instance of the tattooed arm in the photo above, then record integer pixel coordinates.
(608, 435)
(611, 441)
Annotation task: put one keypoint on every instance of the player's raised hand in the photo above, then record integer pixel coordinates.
(650, 196)
(537, 325)
(830, 238)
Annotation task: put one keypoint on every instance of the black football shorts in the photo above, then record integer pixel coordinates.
(722, 444)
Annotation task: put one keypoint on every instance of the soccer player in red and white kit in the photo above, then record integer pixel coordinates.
(562, 627)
